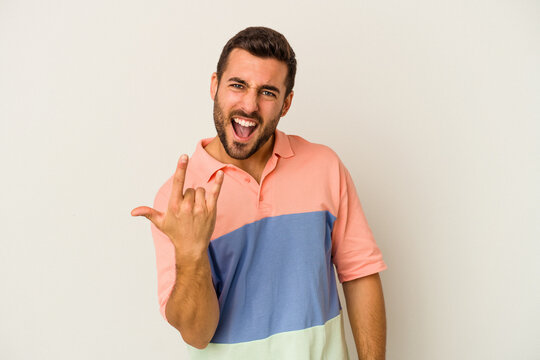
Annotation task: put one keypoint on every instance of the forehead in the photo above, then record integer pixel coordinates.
(255, 70)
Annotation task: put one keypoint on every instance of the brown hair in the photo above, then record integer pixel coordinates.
(262, 42)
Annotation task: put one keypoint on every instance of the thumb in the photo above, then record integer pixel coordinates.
(153, 215)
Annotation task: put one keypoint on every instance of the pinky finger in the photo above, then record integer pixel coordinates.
(216, 188)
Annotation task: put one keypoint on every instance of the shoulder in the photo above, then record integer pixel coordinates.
(304, 148)
(163, 194)
(316, 157)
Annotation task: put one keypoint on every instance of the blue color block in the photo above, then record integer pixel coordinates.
(274, 275)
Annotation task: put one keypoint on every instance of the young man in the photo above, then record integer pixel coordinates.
(246, 235)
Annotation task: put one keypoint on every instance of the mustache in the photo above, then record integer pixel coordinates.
(254, 115)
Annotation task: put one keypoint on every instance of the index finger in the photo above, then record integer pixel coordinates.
(177, 192)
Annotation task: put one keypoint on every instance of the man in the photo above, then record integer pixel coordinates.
(246, 235)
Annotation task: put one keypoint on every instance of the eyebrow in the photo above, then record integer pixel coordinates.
(243, 82)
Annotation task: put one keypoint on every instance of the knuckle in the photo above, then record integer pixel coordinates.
(186, 206)
(198, 209)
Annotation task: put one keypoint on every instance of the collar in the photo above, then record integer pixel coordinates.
(207, 166)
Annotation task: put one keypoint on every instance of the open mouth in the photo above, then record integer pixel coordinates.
(243, 129)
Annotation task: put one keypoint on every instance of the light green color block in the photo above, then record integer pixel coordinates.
(319, 342)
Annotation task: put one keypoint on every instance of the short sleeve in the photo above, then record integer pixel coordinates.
(354, 251)
(165, 259)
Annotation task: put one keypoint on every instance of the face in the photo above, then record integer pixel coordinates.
(249, 100)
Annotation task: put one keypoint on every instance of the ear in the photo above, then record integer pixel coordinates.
(287, 103)
(213, 86)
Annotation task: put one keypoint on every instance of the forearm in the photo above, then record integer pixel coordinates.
(193, 307)
(365, 306)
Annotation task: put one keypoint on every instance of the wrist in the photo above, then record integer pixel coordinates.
(196, 268)
(191, 257)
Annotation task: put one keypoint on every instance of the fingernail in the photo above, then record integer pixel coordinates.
(183, 158)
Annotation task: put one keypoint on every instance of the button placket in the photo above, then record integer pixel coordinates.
(265, 187)
(243, 178)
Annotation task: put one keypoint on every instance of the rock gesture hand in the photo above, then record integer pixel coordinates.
(191, 214)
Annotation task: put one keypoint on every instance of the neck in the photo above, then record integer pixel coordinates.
(254, 165)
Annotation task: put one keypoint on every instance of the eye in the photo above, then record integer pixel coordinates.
(237, 86)
(268, 93)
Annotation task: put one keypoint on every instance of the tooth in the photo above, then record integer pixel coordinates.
(244, 123)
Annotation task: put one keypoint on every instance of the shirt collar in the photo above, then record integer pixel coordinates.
(207, 166)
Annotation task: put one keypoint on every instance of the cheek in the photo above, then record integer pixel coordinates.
(230, 102)
(272, 110)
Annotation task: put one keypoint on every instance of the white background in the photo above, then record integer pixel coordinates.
(433, 106)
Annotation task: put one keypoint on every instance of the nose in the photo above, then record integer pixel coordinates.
(250, 102)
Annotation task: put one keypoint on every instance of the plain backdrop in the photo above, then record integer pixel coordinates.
(434, 106)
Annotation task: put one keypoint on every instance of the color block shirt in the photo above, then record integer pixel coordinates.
(273, 252)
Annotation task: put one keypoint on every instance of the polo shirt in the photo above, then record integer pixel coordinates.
(273, 251)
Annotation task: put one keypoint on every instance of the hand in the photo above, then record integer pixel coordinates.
(191, 215)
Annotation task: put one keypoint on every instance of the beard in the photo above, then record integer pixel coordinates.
(235, 149)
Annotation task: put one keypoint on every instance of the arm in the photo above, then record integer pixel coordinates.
(189, 222)
(365, 305)
(193, 307)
